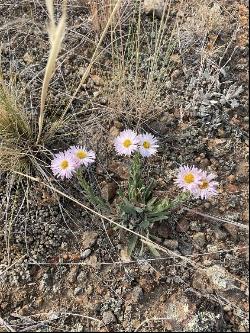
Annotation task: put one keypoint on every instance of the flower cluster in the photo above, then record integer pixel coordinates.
(198, 182)
(129, 142)
(65, 164)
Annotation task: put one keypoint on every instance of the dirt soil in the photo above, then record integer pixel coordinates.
(64, 269)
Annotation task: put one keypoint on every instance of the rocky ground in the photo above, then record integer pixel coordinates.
(62, 268)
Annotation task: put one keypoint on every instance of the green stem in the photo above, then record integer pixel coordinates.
(181, 199)
(94, 199)
(135, 179)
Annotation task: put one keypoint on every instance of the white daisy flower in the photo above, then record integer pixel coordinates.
(63, 165)
(147, 145)
(207, 186)
(126, 143)
(188, 178)
(82, 156)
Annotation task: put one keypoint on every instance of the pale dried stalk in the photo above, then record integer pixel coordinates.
(100, 12)
(56, 34)
(13, 121)
(6, 325)
(88, 69)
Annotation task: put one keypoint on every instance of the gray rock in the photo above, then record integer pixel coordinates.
(171, 244)
(85, 253)
(78, 291)
(185, 248)
(178, 310)
(205, 321)
(199, 239)
(219, 234)
(108, 318)
(137, 294)
(46, 282)
(195, 226)
(82, 277)
(231, 229)
(182, 225)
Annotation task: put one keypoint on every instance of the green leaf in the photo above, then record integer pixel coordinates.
(135, 183)
(150, 204)
(139, 209)
(148, 191)
(158, 218)
(132, 243)
(153, 250)
(128, 209)
(145, 223)
(90, 195)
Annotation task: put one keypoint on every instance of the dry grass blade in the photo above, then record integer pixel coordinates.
(217, 219)
(147, 321)
(6, 326)
(11, 159)
(15, 131)
(101, 10)
(56, 34)
(88, 69)
(13, 122)
(50, 8)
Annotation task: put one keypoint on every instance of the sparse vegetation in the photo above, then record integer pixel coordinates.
(20, 134)
(99, 237)
(15, 132)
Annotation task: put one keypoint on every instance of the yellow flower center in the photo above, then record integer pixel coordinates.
(127, 143)
(189, 178)
(81, 154)
(64, 164)
(203, 184)
(146, 144)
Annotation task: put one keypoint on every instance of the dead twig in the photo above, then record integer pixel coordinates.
(6, 325)
(218, 219)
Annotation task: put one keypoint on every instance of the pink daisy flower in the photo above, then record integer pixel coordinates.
(207, 187)
(63, 165)
(82, 156)
(147, 145)
(188, 178)
(126, 143)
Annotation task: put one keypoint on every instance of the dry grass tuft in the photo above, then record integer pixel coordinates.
(12, 159)
(137, 104)
(140, 67)
(101, 10)
(19, 138)
(14, 124)
(56, 34)
(15, 132)
(206, 18)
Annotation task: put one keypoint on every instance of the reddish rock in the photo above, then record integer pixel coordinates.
(164, 230)
(88, 239)
(119, 169)
(108, 191)
(231, 188)
(216, 279)
(231, 229)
